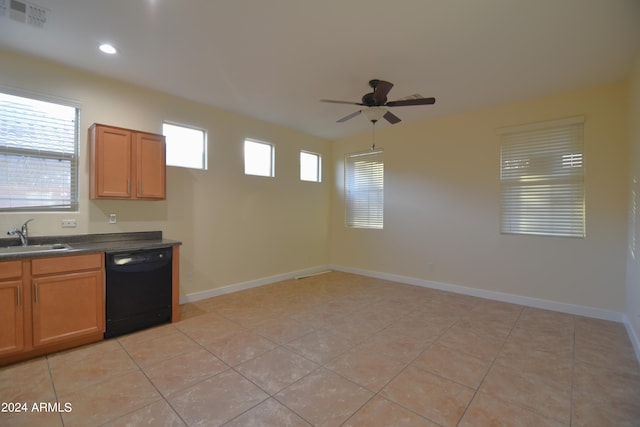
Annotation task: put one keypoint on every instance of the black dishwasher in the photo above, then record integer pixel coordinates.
(138, 290)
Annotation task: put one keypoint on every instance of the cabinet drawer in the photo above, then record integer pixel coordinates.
(62, 264)
(10, 269)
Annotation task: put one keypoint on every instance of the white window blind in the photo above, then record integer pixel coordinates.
(38, 155)
(542, 179)
(364, 189)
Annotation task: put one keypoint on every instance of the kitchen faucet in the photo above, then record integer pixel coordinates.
(23, 233)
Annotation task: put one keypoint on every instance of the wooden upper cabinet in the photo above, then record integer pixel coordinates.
(111, 162)
(126, 164)
(151, 179)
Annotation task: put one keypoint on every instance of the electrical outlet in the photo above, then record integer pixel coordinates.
(68, 223)
(113, 218)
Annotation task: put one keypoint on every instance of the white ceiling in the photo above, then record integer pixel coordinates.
(275, 59)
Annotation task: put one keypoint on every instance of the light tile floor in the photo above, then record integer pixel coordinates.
(341, 349)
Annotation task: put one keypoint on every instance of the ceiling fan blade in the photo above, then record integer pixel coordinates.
(341, 102)
(405, 102)
(391, 118)
(380, 90)
(350, 116)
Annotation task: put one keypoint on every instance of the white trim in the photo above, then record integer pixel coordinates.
(40, 96)
(574, 309)
(540, 125)
(272, 158)
(365, 153)
(197, 296)
(579, 310)
(203, 163)
(634, 336)
(317, 273)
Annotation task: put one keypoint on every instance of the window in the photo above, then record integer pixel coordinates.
(38, 155)
(186, 147)
(542, 179)
(310, 167)
(258, 158)
(364, 189)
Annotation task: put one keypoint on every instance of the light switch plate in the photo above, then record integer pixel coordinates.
(68, 223)
(113, 218)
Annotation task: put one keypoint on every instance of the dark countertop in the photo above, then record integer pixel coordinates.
(91, 243)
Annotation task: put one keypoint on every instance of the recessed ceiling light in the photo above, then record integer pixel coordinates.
(107, 48)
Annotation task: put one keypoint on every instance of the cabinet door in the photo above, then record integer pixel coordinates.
(11, 317)
(150, 164)
(66, 306)
(112, 162)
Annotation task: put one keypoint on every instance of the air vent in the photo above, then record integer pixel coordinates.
(24, 12)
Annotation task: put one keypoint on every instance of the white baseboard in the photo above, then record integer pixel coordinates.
(492, 295)
(634, 336)
(575, 309)
(464, 290)
(197, 296)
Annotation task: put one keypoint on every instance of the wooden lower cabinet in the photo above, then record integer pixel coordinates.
(11, 308)
(49, 304)
(67, 306)
(11, 318)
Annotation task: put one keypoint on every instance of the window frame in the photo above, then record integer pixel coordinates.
(364, 205)
(318, 162)
(542, 164)
(73, 204)
(272, 167)
(204, 151)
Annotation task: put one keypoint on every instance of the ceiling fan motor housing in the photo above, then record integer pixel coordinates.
(370, 101)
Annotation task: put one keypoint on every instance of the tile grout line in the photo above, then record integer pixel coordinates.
(229, 367)
(460, 316)
(477, 390)
(233, 368)
(152, 383)
(573, 370)
(322, 365)
(53, 385)
(407, 364)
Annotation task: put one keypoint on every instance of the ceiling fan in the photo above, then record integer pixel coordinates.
(377, 105)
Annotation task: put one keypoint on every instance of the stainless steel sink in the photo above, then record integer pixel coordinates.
(56, 247)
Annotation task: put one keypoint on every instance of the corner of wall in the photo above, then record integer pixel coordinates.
(634, 335)
(632, 315)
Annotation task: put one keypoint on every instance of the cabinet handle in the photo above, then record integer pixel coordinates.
(36, 291)
(129, 186)
(18, 294)
(140, 186)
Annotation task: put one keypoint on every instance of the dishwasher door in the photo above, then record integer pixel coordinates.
(138, 290)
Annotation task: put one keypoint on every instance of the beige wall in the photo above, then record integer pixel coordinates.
(235, 228)
(633, 254)
(442, 205)
(442, 195)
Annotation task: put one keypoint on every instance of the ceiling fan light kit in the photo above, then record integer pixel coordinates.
(373, 114)
(377, 105)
